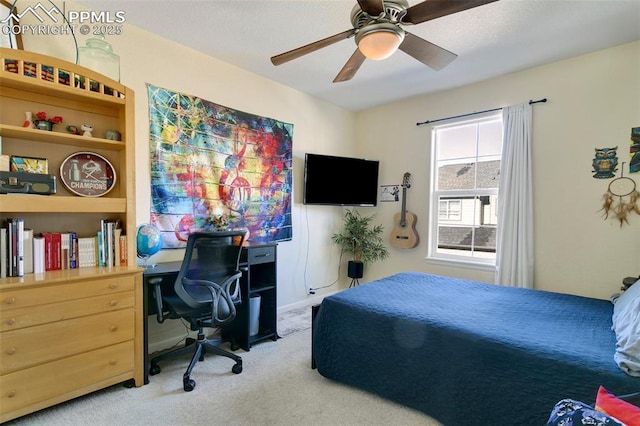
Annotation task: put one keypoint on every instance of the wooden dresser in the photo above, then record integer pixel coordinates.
(68, 335)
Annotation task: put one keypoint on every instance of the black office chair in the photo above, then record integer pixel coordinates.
(205, 294)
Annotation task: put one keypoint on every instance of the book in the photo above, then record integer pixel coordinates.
(100, 248)
(117, 232)
(102, 243)
(38, 254)
(109, 244)
(15, 244)
(87, 252)
(52, 249)
(3, 252)
(48, 251)
(10, 249)
(123, 250)
(28, 251)
(65, 256)
(73, 250)
(57, 250)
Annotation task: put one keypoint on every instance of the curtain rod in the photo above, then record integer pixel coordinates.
(477, 112)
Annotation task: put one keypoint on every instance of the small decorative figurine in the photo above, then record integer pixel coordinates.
(74, 130)
(112, 135)
(87, 129)
(28, 120)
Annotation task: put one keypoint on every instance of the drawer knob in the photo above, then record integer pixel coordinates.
(113, 362)
(113, 328)
(113, 286)
(11, 351)
(11, 321)
(10, 300)
(114, 303)
(11, 393)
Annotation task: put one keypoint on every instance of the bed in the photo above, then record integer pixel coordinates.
(468, 353)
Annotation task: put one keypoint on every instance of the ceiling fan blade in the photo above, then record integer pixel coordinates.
(426, 52)
(351, 67)
(311, 47)
(432, 9)
(372, 7)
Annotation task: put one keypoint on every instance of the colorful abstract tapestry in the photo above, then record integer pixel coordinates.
(214, 167)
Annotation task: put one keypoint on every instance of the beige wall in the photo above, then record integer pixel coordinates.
(593, 101)
(309, 260)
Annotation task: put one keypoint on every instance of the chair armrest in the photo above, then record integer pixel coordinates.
(218, 292)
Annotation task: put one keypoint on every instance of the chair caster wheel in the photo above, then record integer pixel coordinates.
(235, 347)
(154, 369)
(189, 385)
(237, 369)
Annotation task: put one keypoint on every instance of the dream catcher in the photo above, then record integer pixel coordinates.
(621, 199)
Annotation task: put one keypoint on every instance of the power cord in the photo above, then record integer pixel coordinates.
(312, 290)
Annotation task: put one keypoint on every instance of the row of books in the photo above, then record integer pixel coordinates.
(23, 252)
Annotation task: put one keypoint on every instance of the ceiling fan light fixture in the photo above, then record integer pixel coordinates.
(380, 40)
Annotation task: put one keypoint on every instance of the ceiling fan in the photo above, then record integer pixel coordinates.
(377, 27)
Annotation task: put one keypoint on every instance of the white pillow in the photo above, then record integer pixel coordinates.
(621, 302)
(626, 324)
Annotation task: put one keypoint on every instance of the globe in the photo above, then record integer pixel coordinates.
(148, 242)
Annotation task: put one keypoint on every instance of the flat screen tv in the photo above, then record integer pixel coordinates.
(340, 181)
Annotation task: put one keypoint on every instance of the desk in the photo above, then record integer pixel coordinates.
(260, 278)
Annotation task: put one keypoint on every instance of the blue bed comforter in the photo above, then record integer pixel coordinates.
(468, 353)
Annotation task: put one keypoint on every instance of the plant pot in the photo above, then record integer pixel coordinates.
(44, 125)
(355, 269)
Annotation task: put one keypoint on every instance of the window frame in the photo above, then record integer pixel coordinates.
(433, 256)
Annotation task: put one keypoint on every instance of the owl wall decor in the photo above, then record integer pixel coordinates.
(605, 163)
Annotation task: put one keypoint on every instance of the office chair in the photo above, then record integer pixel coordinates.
(205, 294)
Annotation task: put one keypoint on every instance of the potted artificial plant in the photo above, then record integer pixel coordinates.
(363, 240)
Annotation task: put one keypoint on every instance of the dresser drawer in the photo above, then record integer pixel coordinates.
(13, 299)
(261, 255)
(53, 380)
(43, 343)
(13, 319)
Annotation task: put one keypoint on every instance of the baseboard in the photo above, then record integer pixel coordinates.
(307, 302)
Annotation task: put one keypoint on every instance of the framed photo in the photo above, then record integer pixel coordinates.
(389, 193)
(29, 165)
(7, 37)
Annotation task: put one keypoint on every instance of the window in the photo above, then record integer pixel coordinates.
(449, 209)
(464, 196)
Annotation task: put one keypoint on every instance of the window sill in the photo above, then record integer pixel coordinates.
(488, 267)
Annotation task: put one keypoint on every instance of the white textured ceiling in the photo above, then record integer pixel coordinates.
(490, 40)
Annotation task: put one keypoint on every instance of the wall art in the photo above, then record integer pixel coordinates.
(621, 199)
(209, 160)
(634, 151)
(605, 163)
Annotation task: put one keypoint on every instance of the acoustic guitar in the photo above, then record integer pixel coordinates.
(404, 235)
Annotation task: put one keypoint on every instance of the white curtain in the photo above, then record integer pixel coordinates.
(514, 257)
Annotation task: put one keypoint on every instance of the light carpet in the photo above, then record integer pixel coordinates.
(294, 320)
(277, 387)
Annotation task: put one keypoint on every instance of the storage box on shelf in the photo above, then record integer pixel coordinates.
(68, 332)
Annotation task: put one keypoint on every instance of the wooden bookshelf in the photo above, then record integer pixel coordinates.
(95, 314)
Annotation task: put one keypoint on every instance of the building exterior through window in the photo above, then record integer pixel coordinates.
(464, 195)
